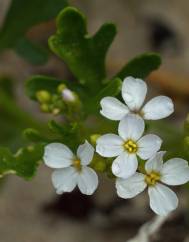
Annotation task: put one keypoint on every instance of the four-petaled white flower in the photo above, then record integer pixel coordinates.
(71, 170)
(162, 199)
(128, 145)
(133, 93)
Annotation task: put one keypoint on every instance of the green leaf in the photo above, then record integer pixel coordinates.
(34, 136)
(21, 16)
(111, 89)
(141, 66)
(69, 133)
(38, 83)
(24, 163)
(84, 55)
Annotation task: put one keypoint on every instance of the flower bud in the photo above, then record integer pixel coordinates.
(98, 163)
(61, 87)
(68, 95)
(43, 96)
(56, 111)
(93, 138)
(45, 108)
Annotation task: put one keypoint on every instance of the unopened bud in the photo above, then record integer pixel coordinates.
(61, 87)
(56, 111)
(93, 138)
(68, 95)
(44, 108)
(98, 163)
(43, 96)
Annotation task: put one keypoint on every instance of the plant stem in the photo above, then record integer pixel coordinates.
(149, 229)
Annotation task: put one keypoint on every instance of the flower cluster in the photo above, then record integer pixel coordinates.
(126, 149)
(57, 102)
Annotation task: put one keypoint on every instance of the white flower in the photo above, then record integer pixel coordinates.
(71, 170)
(133, 93)
(128, 145)
(162, 199)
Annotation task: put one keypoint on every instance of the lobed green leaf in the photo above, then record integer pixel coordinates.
(24, 163)
(84, 55)
(141, 66)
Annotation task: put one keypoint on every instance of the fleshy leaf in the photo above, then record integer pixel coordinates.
(24, 163)
(21, 16)
(84, 55)
(141, 66)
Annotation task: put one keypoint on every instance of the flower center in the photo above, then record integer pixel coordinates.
(130, 146)
(77, 164)
(152, 178)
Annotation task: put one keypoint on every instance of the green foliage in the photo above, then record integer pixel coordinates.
(34, 135)
(21, 16)
(111, 89)
(141, 66)
(24, 163)
(84, 55)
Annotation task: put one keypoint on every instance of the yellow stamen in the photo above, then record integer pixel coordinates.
(130, 146)
(152, 178)
(77, 164)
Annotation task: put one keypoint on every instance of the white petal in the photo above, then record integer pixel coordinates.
(57, 155)
(64, 180)
(112, 108)
(85, 152)
(87, 180)
(125, 165)
(175, 172)
(155, 163)
(129, 188)
(131, 127)
(148, 146)
(162, 199)
(134, 92)
(158, 108)
(109, 145)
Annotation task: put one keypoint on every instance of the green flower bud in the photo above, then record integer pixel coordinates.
(98, 163)
(43, 96)
(61, 87)
(45, 108)
(56, 111)
(55, 98)
(93, 138)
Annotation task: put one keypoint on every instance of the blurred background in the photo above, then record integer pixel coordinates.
(30, 211)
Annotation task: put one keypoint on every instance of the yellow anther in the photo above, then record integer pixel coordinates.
(77, 164)
(152, 178)
(130, 146)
